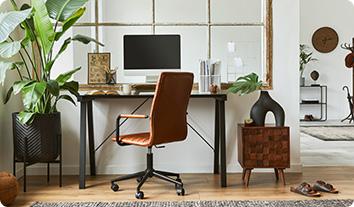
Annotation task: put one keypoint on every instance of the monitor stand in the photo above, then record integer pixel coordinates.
(151, 78)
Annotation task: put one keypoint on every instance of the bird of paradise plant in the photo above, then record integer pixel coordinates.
(43, 24)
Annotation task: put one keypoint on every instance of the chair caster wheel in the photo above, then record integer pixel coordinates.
(180, 191)
(139, 179)
(115, 187)
(139, 195)
(178, 180)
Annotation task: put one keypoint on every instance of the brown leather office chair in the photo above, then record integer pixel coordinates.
(168, 123)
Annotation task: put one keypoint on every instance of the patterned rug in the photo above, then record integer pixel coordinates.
(308, 203)
(330, 133)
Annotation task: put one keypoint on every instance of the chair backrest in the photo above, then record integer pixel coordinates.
(168, 117)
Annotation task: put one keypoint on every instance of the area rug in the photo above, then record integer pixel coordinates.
(330, 133)
(307, 203)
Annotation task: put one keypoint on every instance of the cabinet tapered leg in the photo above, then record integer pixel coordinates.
(48, 172)
(247, 177)
(282, 176)
(276, 174)
(243, 175)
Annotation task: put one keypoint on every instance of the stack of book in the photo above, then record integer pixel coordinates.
(210, 75)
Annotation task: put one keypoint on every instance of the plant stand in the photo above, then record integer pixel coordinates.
(37, 142)
(27, 164)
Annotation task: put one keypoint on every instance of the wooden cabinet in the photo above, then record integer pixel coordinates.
(263, 147)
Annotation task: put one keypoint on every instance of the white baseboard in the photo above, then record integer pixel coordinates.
(115, 169)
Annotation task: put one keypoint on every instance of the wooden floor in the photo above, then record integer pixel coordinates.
(198, 187)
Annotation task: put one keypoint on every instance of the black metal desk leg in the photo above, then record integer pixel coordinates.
(82, 145)
(216, 139)
(222, 143)
(91, 139)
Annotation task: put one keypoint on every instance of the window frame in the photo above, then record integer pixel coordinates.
(266, 24)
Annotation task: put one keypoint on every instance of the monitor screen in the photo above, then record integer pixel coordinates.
(152, 52)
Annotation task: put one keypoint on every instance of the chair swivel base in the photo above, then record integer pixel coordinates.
(142, 176)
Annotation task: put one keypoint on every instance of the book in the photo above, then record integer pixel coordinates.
(102, 92)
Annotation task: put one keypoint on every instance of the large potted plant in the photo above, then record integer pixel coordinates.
(43, 23)
(250, 83)
(305, 58)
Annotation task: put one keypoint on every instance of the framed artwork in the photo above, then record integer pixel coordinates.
(98, 65)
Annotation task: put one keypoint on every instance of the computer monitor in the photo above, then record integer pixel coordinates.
(149, 55)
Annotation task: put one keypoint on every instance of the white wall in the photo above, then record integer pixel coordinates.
(336, 14)
(193, 155)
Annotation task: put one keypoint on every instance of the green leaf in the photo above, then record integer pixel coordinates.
(64, 46)
(62, 78)
(72, 87)
(53, 87)
(49, 65)
(18, 85)
(85, 39)
(32, 93)
(43, 25)
(4, 67)
(28, 25)
(26, 42)
(246, 84)
(26, 117)
(70, 22)
(10, 20)
(8, 95)
(68, 98)
(63, 9)
(9, 49)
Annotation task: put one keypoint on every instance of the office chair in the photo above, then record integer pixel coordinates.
(168, 123)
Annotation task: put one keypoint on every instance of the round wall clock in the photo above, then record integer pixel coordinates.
(325, 40)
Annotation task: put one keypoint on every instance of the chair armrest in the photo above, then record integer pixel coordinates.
(133, 116)
(126, 116)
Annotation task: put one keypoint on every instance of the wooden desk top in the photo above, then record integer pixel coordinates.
(195, 94)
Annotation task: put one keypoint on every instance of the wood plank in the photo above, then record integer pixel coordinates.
(198, 187)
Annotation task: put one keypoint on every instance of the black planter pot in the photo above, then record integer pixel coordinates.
(39, 141)
(264, 105)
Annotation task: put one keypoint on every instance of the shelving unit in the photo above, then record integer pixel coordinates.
(322, 102)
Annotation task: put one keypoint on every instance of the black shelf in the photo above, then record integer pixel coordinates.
(313, 86)
(303, 120)
(322, 104)
(313, 103)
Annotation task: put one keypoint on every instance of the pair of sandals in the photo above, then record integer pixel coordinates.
(314, 191)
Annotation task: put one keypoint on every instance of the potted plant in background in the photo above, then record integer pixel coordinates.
(43, 24)
(249, 84)
(305, 58)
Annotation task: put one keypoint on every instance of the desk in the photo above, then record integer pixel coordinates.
(87, 128)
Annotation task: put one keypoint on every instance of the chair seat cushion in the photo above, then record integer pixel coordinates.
(140, 139)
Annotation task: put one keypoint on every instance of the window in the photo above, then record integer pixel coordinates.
(206, 26)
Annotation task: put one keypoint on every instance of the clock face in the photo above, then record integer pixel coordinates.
(325, 40)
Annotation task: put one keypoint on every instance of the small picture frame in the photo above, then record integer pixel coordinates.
(98, 65)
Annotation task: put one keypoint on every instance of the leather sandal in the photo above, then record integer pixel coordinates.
(306, 190)
(324, 187)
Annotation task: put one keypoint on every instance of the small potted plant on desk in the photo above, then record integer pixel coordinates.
(250, 83)
(37, 128)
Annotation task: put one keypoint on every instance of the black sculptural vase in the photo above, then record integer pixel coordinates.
(264, 105)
